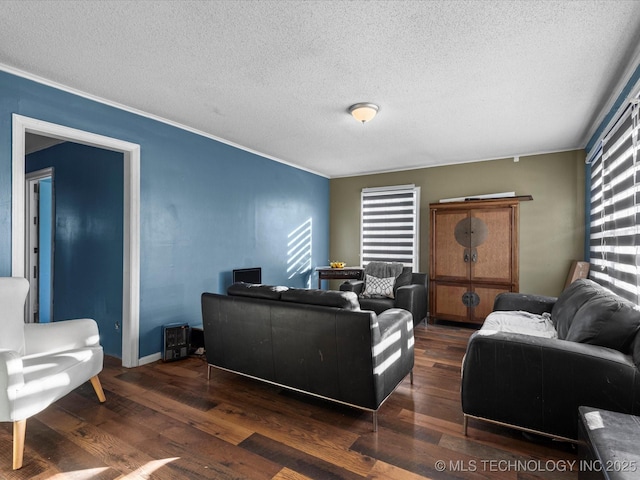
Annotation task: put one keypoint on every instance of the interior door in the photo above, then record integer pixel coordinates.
(33, 258)
(39, 245)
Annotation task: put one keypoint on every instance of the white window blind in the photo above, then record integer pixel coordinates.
(390, 225)
(615, 209)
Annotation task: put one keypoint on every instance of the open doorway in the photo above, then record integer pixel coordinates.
(130, 225)
(87, 260)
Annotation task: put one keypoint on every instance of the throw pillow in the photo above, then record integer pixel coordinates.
(606, 321)
(378, 287)
(570, 301)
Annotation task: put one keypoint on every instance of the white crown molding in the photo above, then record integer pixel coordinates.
(119, 106)
(462, 162)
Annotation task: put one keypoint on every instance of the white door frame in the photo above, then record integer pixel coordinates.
(131, 217)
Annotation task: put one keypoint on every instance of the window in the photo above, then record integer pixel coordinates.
(614, 235)
(390, 225)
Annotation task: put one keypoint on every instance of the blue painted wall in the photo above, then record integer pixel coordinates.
(45, 215)
(206, 207)
(89, 206)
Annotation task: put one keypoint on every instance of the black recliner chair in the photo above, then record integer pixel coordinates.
(409, 290)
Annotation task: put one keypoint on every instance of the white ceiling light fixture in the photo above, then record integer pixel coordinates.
(363, 112)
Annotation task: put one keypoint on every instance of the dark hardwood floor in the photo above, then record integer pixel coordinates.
(166, 421)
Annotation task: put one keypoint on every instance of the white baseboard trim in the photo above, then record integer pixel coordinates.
(150, 358)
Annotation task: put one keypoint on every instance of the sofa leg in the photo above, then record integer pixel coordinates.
(97, 386)
(19, 431)
(411, 376)
(375, 421)
(465, 423)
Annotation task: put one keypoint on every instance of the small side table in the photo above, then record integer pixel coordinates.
(344, 273)
(608, 445)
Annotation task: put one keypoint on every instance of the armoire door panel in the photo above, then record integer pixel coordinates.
(451, 262)
(487, 295)
(448, 302)
(493, 260)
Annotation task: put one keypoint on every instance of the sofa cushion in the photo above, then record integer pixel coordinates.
(607, 321)
(570, 301)
(377, 305)
(241, 289)
(326, 298)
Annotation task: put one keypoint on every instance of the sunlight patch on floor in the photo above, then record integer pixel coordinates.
(143, 472)
(87, 474)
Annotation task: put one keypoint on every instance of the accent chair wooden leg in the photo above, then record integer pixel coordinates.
(465, 423)
(375, 420)
(19, 431)
(97, 386)
(411, 376)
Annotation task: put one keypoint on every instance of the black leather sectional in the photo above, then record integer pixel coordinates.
(313, 341)
(536, 383)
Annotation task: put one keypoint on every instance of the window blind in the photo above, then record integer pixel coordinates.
(614, 246)
(390, 225)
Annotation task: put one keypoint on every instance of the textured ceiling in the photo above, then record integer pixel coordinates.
(456, 81)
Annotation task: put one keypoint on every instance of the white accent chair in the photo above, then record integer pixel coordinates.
(40, 362)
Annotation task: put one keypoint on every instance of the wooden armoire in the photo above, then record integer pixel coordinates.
(473, 257)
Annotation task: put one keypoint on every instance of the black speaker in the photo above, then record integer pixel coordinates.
(175, 341)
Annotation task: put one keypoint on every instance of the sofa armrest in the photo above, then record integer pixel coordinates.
(392, 350)
(413, 298)
(11, 376)
(520, 301)
(539, 383)
(356, 286)
(60, 336)
(11, 380)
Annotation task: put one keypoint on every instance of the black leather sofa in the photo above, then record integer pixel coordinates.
(536, 383)
(313, 341)
(410, 293)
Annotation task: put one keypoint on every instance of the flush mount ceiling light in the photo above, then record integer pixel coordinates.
(363, 112)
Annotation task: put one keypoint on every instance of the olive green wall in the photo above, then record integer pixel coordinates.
(551, 226)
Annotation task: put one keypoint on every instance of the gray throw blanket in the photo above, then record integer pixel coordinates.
(383, 269)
